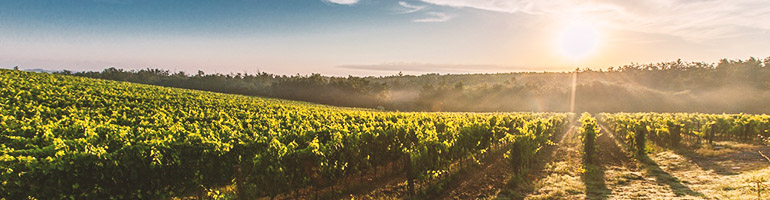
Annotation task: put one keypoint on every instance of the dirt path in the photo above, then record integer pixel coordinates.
(723, 171)
(618, 176)
(726, 170)
(559, 178)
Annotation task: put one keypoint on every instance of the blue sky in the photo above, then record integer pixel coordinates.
(372, 37)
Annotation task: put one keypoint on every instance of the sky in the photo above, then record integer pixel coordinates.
(376, 37)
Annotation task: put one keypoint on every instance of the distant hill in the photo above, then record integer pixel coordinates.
(730, 86)
(42, 70)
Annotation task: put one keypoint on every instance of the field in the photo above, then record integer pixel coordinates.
(66, 137)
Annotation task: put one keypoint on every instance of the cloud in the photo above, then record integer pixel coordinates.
(343, 2)
(406, 8)
(493, 5)
(688, 19)
(409, 8)
(434, 17)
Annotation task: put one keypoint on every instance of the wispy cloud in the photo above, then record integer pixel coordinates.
(493, 5)
(343, 2)
(409, 8)
(434, 17)
(689, 19)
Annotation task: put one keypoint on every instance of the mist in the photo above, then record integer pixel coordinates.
(730, 86)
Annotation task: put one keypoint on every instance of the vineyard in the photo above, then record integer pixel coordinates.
(66, 137)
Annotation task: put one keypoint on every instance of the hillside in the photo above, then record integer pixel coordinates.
(82, 138)
(730, 86)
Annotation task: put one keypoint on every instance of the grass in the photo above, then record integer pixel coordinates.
(725, 170)
(729, 174)
(594, 179)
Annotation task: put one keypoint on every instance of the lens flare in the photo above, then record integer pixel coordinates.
(578, 40)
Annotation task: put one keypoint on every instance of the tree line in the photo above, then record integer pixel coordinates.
(730, 86)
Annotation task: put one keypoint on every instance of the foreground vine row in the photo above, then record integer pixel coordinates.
(80, 138)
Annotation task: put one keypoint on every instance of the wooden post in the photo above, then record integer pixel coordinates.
(759, 189)
(711, 133)
(239, 182)
(746, 131)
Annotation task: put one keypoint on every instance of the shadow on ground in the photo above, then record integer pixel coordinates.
(608, 154)
(704, 162)
(525, 186)
(596, 188)
(663, 177)
(653, 169)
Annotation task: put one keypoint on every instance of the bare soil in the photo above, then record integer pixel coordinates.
(560, 178)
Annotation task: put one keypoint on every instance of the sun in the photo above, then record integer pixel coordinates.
(578, 40)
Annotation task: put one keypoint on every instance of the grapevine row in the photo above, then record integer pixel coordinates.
(589, 132)
(674, 129)
(66, 137)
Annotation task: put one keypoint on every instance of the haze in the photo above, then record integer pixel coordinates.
(376, 37)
